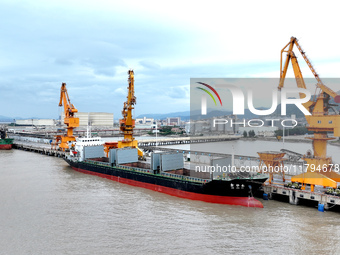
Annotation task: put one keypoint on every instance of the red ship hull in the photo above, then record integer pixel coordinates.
(242, 201)
(5, 146)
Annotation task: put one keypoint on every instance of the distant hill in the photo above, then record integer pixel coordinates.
(196, 115)
(161, 116)
(10, 119)
(5, 119)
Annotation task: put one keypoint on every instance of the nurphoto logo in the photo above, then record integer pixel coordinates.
(238, 100)
(245, 98)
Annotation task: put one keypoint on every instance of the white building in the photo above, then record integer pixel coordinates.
(36, 122)
(94, 118)
(144, 121)
(173, 121)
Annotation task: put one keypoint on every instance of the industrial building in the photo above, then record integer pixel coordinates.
(209, 126)
(144, 121)
(173, 121)
(93, 118)
(35, 122)
(85, 118)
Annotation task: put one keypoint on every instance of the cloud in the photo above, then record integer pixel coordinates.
(149, 64)
(103, 66)
(120, 91)
(63, 61)
(91, 45)
(178, 92)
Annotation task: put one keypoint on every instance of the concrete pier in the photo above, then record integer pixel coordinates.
(296, 196)
(186, 140)
(39, 149)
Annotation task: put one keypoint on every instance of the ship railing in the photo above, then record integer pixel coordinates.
(97, 162)
(186, 178)
(176, 176)
(136, 169)
(240, 176)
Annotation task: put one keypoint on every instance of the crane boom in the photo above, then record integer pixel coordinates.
(291, 55)
(127, 123)
(321, 121)
(69, 119)
(320, 84)
(69, 108)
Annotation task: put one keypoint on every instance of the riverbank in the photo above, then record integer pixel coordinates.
(291, 139)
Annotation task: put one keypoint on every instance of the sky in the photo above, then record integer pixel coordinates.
(91, 45)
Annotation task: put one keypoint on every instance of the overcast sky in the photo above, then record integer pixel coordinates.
(90, 45)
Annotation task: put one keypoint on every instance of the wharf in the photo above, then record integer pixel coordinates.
(46, 148)
(277, 191)
(186, 140)
(39, 149)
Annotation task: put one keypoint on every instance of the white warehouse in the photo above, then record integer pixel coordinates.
(94, 118)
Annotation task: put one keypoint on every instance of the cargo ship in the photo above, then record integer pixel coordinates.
(124, 162)
(5, 142)
(164, 173)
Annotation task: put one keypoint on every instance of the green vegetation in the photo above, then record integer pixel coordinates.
(166, 130)
(293, 131)
(251, 133)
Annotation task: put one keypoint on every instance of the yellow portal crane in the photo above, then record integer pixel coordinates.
(321, 121)
(127, 124)
(69, 119)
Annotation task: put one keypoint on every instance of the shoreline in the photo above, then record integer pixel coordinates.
(292, 139)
